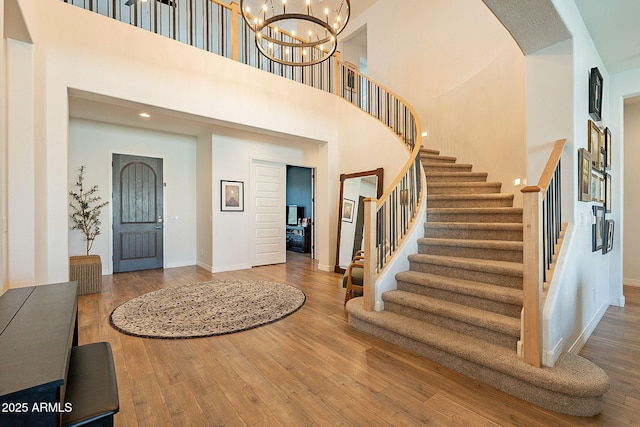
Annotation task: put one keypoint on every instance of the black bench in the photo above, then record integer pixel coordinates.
(91, 387)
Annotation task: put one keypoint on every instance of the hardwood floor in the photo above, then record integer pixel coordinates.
(312, 368)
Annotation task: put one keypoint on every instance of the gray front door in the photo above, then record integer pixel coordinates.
(137, 213)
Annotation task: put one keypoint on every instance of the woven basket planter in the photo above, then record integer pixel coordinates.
(87, 270)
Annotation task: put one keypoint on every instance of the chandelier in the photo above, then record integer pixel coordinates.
(296, 32)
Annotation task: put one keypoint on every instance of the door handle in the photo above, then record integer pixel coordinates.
(159, 222)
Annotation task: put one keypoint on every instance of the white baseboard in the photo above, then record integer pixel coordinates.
(204, 266)
(550, 357)
(588, 330)
(230, 268)
(324, 267)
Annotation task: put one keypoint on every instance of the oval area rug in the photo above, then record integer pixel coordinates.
(206, 309)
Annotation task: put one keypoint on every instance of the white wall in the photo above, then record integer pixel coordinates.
(588, 281)
(631, 267)
(159, 72)
(3, 164)
(232, 153)
(461, 71)
(627, 85)
(204, 203)
(93, 144)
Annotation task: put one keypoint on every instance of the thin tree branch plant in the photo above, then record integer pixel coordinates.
(85, 209)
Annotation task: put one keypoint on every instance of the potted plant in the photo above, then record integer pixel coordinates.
(85, 216)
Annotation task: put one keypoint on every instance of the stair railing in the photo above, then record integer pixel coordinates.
(219, 28)
(542, 230)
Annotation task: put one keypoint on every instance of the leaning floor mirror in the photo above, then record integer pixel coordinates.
(354, 188)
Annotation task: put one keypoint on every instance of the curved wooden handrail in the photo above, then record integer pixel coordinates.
(549, 169)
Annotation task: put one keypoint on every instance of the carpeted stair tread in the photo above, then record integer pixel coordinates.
(478, 244)
(458, 187)
(462, 286)
(497, 226)
(481, 265)
(458, 176)
(461, 313)
(446, 166)
(572, 375)
(470, 197)
(437, 158)
(428, 151)
(475, 214)
(468, 230)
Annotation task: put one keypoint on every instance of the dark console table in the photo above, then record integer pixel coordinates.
(46, 379)
(299, 238)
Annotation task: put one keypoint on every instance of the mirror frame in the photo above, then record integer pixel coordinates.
(379, 190)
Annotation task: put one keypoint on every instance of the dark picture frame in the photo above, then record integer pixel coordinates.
(607, 193)
(595, 133)
(348, 207)
(609, 228)
(595, 94)
(584, 170)
(231, 196)
(607, 148)
(597, 229)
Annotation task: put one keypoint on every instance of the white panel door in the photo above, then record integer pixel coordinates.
(269, 185)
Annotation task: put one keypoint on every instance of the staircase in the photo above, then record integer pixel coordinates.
(460, 302)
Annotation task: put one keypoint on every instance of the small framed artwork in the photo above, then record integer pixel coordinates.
(595, 94)
(597, 188)
(232, 196)
(594, 145)
(607, 193)
(607, 245)
(348, 206)
(584, 181)
(597, 229)
(607, 148)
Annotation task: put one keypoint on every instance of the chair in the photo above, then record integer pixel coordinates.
(353, 278)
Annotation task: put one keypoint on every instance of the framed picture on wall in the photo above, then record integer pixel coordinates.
(584, 181)
(597, 229)
(594, 145)
(348, 206)
(607, 148)
(595, 94)
(232, 196)
(607, 193)
(609, 226)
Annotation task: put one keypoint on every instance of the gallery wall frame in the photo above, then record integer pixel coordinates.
(607, 148)
(584, 181)
(597, 229)
(595, 145)
(609, 228)
(595, 94)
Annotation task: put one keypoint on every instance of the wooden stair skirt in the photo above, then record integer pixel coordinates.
(87, 270)
(460, 302)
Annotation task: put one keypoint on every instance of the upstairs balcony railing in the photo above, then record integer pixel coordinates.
(219, 28)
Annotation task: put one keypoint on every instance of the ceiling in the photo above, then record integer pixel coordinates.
(613, 26)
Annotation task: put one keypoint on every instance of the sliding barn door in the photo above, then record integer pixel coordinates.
(269, 185)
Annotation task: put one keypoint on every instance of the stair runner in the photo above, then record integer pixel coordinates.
(461, 300)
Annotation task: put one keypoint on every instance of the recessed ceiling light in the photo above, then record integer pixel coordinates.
(424, 134)
(145, 115)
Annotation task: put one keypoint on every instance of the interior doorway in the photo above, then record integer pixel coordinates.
(300, 210)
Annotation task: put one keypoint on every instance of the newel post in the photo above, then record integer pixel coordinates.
(532, 275)
(369, 280)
